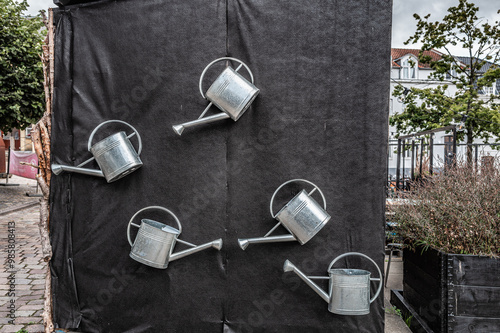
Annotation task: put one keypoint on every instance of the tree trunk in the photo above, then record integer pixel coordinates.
(470, 139)
(41, 141)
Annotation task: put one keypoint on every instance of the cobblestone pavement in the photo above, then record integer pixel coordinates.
(22, 276)
(14, 197)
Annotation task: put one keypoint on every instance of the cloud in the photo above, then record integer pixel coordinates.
(404, 25)
(36, 5)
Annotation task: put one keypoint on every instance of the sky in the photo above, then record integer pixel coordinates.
(403, 23)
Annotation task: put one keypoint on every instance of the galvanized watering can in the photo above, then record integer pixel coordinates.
(230, 92)
(349, 289)
(155, 241)
(302, 216)
(115, 155)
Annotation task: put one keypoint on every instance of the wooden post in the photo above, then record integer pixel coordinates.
(403, 144)
(41, 140)
(412, 160)
(398, 164)
(431, 154)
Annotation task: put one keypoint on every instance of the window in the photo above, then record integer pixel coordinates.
(409, 68)
(490, 90)
(408, 151)
(451, 74)
(391, 107)
(28, 131)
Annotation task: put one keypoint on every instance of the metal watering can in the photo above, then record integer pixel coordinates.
(349, 289)
(230, 92)
(115, 155)
(155, 241)
(302, 216)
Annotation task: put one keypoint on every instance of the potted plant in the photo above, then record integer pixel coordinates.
(450, 223)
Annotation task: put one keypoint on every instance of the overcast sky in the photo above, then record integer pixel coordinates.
(403, 23)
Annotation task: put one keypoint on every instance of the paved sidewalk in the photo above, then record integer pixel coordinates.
(22, 277)
(13, 198)
(393, 322)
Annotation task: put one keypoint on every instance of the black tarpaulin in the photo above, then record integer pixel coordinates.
(321, 115)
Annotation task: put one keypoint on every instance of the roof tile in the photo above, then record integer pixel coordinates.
(399, 53)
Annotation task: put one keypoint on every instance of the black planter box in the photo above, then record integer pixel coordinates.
(451, 292)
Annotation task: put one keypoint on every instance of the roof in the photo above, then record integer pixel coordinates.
(467, 61)
(484, 68)
(397, 54)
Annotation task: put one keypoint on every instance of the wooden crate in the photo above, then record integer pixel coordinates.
(453, 293)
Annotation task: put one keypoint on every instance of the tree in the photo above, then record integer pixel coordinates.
(431, 107)
(21, 73)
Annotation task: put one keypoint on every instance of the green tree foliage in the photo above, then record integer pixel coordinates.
(431, 108)
(21, 73)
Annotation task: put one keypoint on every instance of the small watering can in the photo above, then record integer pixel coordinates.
(302, 216)
(155, 241)
(115, 155)
(230, 92)
(349, 289)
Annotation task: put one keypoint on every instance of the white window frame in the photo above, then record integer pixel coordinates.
(490, 90)
(451, 74)
(28, 131)
(407, 71)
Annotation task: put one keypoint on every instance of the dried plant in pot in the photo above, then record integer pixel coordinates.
(451, 225)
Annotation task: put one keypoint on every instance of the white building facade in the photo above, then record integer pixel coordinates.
(408, 72)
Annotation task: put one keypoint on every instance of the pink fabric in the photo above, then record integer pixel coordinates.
(18, 169)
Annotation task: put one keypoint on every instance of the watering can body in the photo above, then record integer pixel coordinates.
(348, 289)
(302, 217)
(154, 243)
(230, 92)
(115, 155)
(350, 292)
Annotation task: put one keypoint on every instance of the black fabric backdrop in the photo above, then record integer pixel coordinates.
(323, 72)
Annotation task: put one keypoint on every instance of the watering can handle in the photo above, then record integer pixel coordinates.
(379, 279)
(147, 208)
(216, 61)
(115, 121)
(296, 180)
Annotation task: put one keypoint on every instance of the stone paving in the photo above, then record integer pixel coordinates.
(24, 293)
(22, 276)
(14, 197)
(393, 322)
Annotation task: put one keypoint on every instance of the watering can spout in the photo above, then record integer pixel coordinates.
(58, 168)
(205, 120)
(178, 129)
(216, 244)
(289, 267)
(244, 242)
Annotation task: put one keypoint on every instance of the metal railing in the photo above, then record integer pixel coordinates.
(418, 146)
